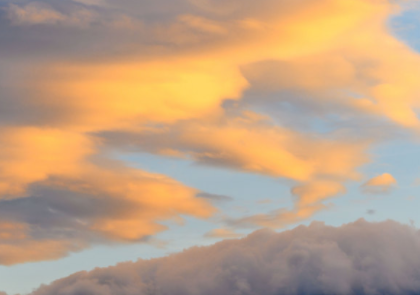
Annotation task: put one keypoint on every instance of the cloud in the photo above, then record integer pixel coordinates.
(98, 205)
(248, 143)
(380, 184)
(39, 13)
(213, 197)
(309, 200)
(31, 154)
(322, 63)
(313, 192)
(157, 91)
(356, 258)
(222, 233)
(202, 24)
(319, 165)
(175, 86)
(91, 2)
(371, 212)
(277, 219)
(33, 250)
(34, 13)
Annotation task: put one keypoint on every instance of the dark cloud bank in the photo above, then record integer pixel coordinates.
(357, 258)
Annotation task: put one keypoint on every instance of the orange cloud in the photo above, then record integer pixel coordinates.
(12, 231)
(380, 184)
(17, 246)
(320, 166)
(31, 154)
(34, 251)
(194, 80)
(171, 96)
(148, 198)
(309, 200)
(99, 205)
(192, 86)
(153, 198)
(278, 218)
(129, 203)
(127, 96)
(315, 192)
(250, 146)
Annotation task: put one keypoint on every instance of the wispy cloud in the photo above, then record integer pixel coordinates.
(214, 197)
(39, 13)
(172, 80)
(222, 233)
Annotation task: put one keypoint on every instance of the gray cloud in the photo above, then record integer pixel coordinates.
(214, 197)
(357, 258)
(36, 13)
(56, 213)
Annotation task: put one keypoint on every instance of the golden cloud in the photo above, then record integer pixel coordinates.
(380, 184)
(170, 96)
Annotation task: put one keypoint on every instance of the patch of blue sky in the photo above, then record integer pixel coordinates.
(406, 26)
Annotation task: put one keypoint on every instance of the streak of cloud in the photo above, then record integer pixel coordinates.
(65, 214)
(222, 233)
(157, 77)
(214, 197)
(38, 13)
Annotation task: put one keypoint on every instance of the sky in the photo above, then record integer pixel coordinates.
(136, 129)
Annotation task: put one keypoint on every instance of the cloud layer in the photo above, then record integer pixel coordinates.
(83, 81)
(357, 258)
